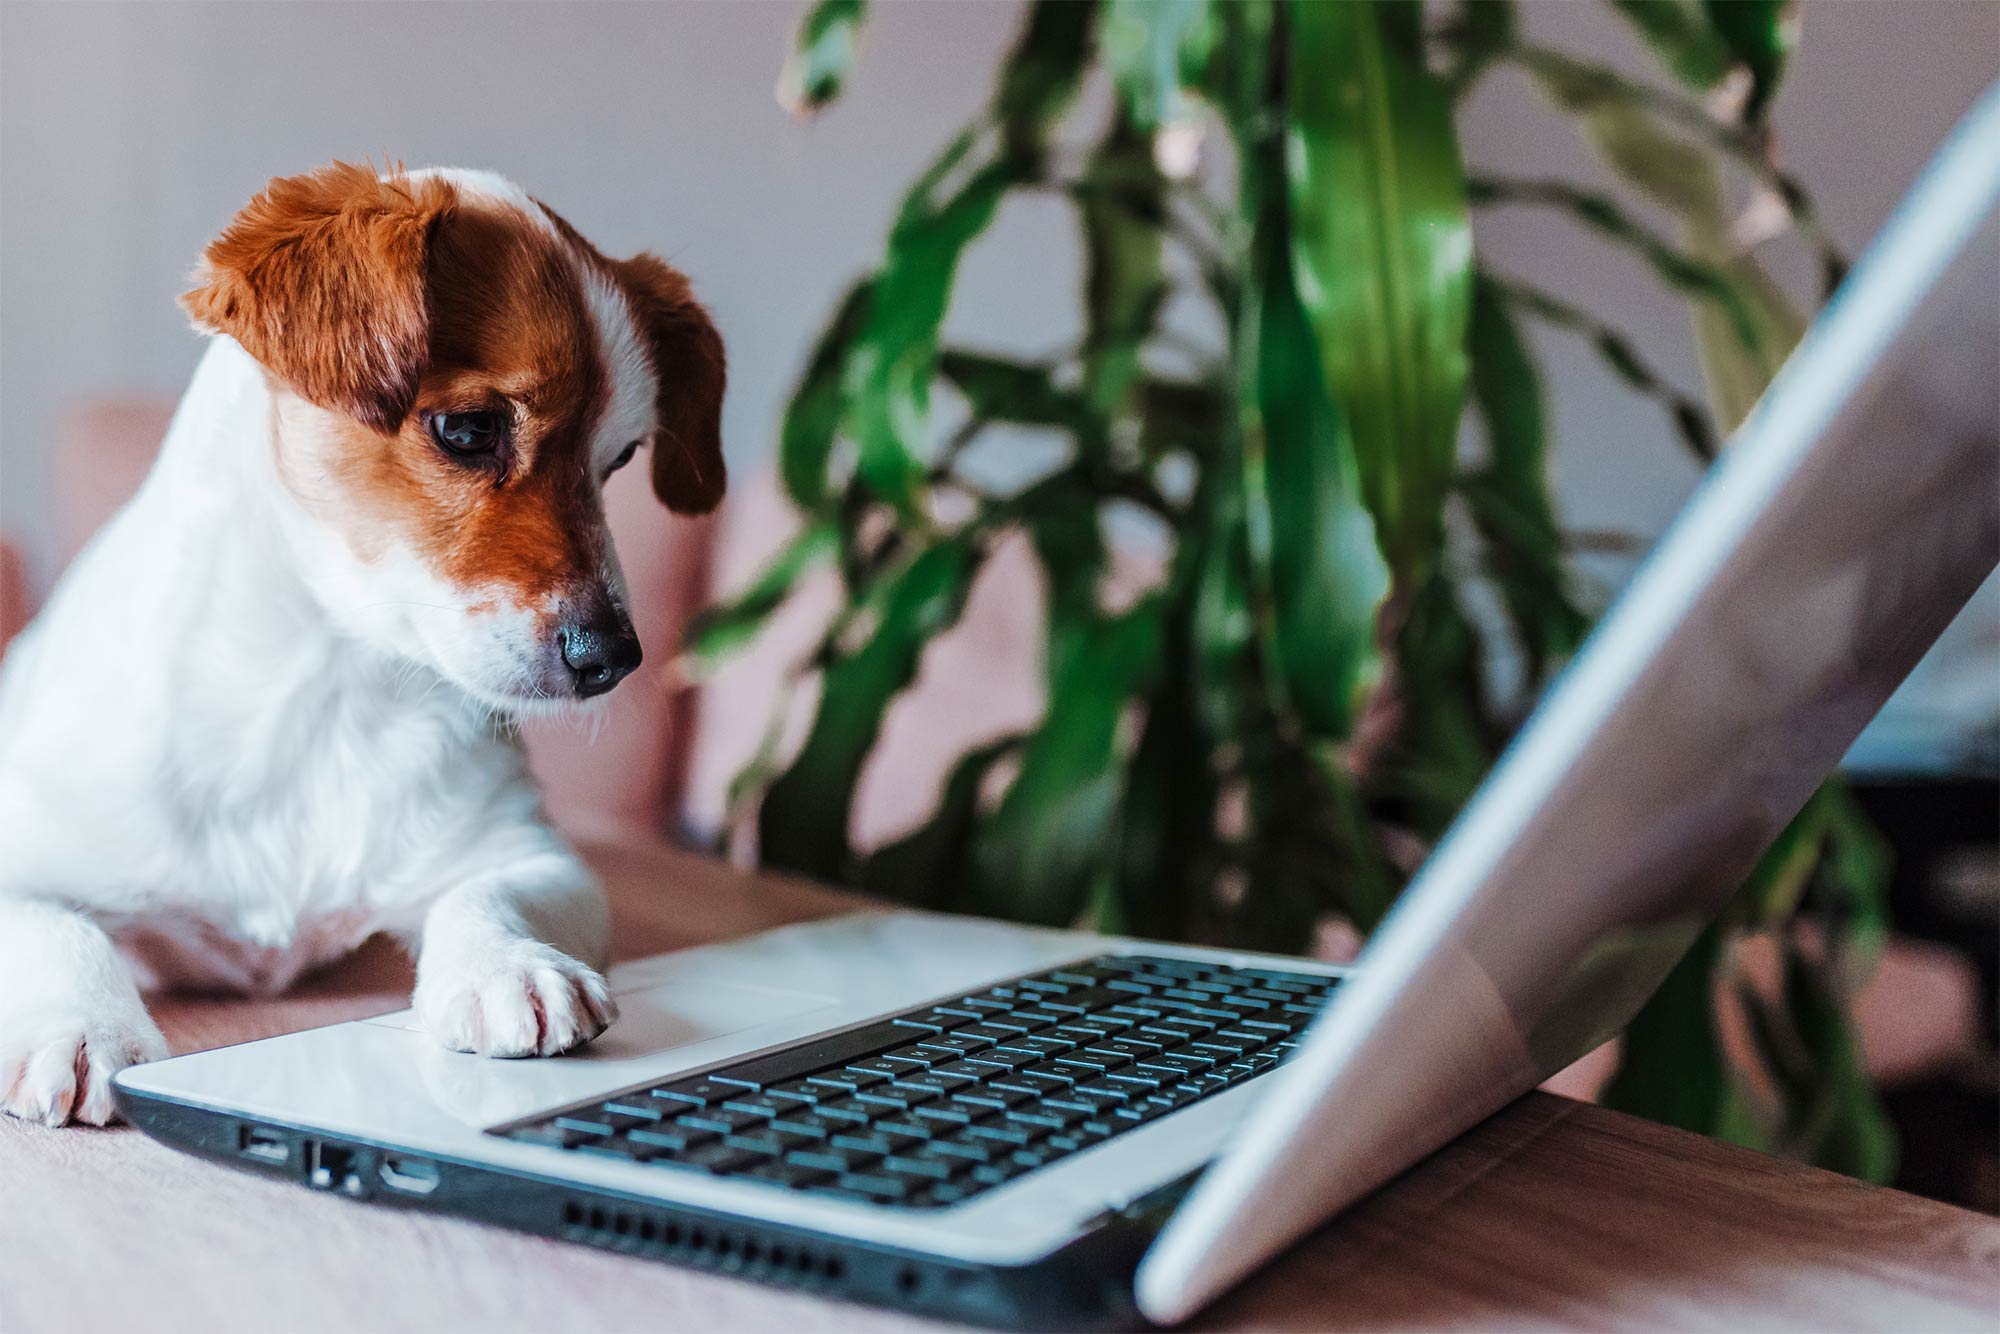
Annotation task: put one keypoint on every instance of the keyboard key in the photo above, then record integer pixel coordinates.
(914, 1055)
(1047, 1018)
(971, 1148)
(993, 1097)
(1013, 1134)
(1051, 1115)
(1051, 1070)
(924, 1163)
(671, 1139)
(934, 1081)
(947, 1043)
(624, 1149)
(698, 1092)
(952, 1113)
(1189, 1063)
(897, 1097)
(973, 1070)
(831, 1159)
(715, 1157)
(907, 1128)
(1105, 1023)
(793, 1176)
(721, 1119)
(758, 1104)
(1051, 1043)
(806, 1124)
(640, 1109)
(1006, 1058)
(1038, 1084)
(876, 1068)
(994, 1174)
(797, 1091)
(988, 1032)
(851, 1080)
(1083, 1000)
(879, 1186)
(1013, 1023)
(768, 1141)
(585, 1125)
(846, 1111)
(865, 1144)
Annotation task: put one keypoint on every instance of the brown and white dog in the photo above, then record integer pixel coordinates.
(268, 712)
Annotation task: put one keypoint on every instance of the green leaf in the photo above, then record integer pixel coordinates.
(1689, 417)
(1511, 498)
(1166, 829)
(1841, 1126)
(1446, 742)
(1760, 33)
(1476, 33)
(725, 628)
(1327, 579)
(894, 357)
(1011, 391)
(818, 65)
(1681, 177)
(1152, 46)
(803, 823)
(1673, 1070)
(1683, 36)
(812, 420)
(1688, 273)
(927, 867)
(1041, 853)
(1383, 249)
(1122, 209)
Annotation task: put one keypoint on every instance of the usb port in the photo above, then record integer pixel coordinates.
(411, 1176)
(265, 1146)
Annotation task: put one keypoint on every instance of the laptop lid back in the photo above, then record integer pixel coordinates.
(1855, 513)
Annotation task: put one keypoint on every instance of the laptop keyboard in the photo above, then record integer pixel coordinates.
(930, 1108)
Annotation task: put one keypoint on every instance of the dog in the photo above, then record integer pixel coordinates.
(270, 711)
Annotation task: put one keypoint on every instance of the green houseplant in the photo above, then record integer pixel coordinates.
(1273, 734)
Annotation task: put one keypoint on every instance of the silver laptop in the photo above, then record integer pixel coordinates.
(1043, 1128)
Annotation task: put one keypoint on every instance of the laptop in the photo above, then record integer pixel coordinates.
(1026, 1127)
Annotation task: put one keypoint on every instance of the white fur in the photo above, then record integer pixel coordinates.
(231, 748)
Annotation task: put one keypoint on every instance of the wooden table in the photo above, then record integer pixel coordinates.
(1553, 1214)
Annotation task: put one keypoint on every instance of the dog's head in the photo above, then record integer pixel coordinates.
(456, 373)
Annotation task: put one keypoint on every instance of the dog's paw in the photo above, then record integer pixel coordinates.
(57, 1071)
(530, 1000)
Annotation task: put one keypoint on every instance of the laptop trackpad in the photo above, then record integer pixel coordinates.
(675, 1014)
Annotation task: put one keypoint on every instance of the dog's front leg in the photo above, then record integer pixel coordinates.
(70, 1016)
(509, 963)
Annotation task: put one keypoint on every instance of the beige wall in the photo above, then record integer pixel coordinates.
(130, 131)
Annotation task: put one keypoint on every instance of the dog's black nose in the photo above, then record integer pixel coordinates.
(599, 654)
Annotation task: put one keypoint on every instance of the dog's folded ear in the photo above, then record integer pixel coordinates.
(321, 278)
(688, 359)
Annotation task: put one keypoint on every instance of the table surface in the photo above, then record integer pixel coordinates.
(1553, 1214)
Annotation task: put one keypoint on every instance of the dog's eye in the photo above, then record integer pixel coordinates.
(468, 432)
(624, 457)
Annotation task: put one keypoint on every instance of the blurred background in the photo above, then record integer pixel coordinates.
(130, 132)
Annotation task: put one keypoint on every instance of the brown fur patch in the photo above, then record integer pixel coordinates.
(689, 365)
(321, 278)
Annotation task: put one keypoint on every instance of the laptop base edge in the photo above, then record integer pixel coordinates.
(1085, 1284)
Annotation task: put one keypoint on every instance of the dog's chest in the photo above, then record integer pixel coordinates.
(329, 815)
